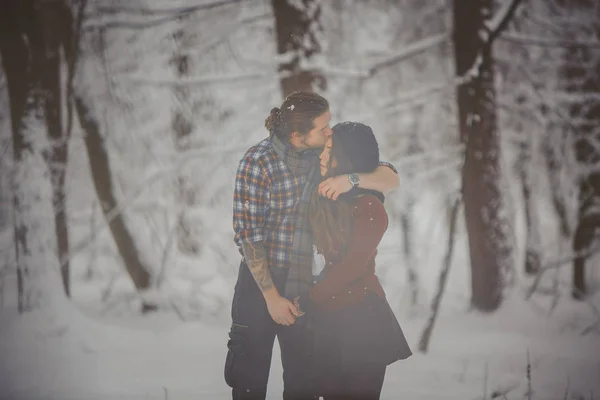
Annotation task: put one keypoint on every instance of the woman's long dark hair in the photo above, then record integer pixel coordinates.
(331, 221)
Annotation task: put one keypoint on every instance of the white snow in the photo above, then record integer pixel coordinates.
(156, 357)
(97, 346)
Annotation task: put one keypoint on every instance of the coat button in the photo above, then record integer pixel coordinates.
(333, 297)
(349, 291)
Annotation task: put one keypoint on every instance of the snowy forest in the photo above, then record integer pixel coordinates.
(122, 123)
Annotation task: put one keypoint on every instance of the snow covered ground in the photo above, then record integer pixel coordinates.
(69, 355)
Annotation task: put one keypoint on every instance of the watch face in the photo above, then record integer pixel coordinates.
(353, 179)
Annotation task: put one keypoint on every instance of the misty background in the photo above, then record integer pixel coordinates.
(121, 127)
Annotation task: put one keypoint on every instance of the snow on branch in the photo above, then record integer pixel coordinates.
(403, 54)
(162, 11)
(411, 96)
(225, 32)
(410, 51)
(499, 22)
(124, 23)
(544, 42)
(200, 80)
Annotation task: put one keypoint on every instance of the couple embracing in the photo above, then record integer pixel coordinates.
(309, 188)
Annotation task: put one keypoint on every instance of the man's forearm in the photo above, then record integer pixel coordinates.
(256, 258)
(383, 180)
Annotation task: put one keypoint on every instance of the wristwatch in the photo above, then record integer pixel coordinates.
(354, 180)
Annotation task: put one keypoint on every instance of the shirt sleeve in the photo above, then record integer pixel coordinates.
(250, 201)
(369, 227)
(389, 165)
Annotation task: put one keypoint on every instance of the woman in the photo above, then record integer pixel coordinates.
(356, 332)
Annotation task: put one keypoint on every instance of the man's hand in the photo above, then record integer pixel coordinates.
(334, 186)
(283, 311)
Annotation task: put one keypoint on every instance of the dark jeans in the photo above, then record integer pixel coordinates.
(252, 336)
(364, 383)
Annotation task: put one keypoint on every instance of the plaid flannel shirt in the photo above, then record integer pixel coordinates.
(265, 200)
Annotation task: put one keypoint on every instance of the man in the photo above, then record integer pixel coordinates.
(272, 191)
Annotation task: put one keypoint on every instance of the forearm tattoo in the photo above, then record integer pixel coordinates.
(256, 258)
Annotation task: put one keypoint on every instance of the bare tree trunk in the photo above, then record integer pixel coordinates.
(5, 190)
(524, 169)
(102, 178)
(553, 153)
(412, 275)
(532, 251)
(100, 168)
(24, 55)
(407, 228)
(182, 124)
(488, 243)
(55, 21)
(15, 55)
(443, 278)
(297, 25)
(581, 71)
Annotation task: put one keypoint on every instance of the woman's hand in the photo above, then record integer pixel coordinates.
(334, 186)
(283, 311)
(297, 304)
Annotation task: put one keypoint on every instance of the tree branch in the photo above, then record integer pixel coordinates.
(411, 50)
(543, 42)
(165, 11)
(200, 80)
(177, 13)
(557, 264)
(499, 23)
(73, 57)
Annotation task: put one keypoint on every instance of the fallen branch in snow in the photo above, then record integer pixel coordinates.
(109, 288)
(443, 278)
(177, 310)
(557, 264)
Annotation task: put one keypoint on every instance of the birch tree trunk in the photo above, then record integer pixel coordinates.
(24, 52)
